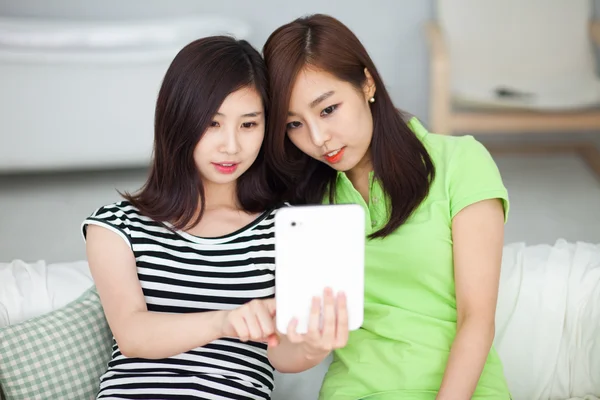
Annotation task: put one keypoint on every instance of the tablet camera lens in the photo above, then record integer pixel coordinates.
(293, 224)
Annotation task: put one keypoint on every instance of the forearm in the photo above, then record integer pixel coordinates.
(290, 358)
(468, 355)
(155, 335)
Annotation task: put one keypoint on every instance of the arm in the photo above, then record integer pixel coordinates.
(144, 334)
(477, 233)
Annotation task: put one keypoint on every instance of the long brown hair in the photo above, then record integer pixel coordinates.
(195, 85)
(400, 161)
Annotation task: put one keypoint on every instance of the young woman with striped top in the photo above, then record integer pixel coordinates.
(185, 267)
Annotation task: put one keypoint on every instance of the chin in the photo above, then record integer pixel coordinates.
(223, 180)
(337, 167)
(343, 166)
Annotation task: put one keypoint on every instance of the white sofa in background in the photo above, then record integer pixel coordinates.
(90, 83)
(547, 323)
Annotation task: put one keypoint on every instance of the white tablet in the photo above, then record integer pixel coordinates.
(317, 247)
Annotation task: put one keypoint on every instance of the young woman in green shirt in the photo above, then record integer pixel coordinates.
(435, 209)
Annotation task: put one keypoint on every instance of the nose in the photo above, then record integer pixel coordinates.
(231, 144)
(319, 135)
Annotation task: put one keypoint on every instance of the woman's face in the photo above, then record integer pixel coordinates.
(330, 120)
(232, 142)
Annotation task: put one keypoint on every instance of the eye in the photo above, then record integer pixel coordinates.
(293, 125)
(329, 110)
(248, 125)
(214, 124)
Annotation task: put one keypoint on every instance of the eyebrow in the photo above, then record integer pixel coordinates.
(321, 98)
(252, 114)
(317, 101)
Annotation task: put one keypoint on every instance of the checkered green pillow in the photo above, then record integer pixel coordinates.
(59, 355)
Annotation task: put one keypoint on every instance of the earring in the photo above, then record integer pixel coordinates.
(372, 100)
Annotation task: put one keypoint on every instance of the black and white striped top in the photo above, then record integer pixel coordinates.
(182, 273)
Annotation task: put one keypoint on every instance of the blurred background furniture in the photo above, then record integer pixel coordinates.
(71, 88)
(516, 67)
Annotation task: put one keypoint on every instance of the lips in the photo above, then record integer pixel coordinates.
(335, 156)
(226, 167)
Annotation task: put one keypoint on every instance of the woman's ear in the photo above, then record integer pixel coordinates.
(369, 86)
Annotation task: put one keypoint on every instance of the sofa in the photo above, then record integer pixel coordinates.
(547, 328)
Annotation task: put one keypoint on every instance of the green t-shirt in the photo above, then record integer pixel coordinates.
(402, 348)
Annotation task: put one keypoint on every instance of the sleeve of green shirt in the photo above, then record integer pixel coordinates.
(473, 176)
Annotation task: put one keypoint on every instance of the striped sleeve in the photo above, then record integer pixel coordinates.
(112, 217)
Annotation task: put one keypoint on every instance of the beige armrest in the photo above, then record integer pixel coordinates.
(595, 32)
(439, 101)
(435, 40)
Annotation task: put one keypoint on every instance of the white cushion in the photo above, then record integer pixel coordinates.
(548, 320)
(31, 289)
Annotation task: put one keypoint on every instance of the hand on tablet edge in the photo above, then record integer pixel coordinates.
(320, 341)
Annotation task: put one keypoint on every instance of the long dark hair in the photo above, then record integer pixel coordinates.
(400, 161)
(195, 85)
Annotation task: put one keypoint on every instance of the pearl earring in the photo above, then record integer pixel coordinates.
(372, 100)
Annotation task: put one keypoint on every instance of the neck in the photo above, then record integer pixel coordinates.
(220, 196)
(359, 175)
